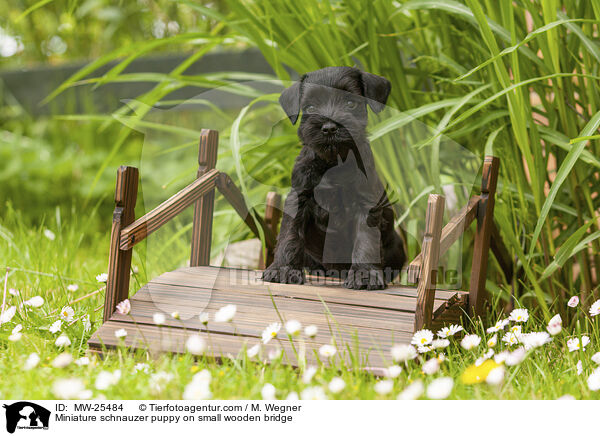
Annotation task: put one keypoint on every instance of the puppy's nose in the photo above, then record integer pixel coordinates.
(329, 128)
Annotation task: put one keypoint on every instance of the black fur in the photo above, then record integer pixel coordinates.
(337, 219)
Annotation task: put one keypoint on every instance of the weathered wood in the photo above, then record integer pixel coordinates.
(485, 217)
(501, 252)
(272, 217)
(119, 263)
(233, 195)
(431, 250)
(203, 209)
(450, 234)
(137, 231)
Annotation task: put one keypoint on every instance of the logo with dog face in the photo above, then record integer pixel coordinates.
(26, 415)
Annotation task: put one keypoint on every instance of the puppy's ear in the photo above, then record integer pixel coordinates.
(377, 90)
(290, 101)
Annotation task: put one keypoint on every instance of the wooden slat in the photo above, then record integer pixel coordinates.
(450, 234)
(153, 220)
(485, 217)
(233, 195)
(501, 252)
(431, 249)
(272, 218)
(119, 263)
(204, 206)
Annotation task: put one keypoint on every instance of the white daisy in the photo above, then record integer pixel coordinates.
(311, 331)
(308, 375)
(595, 308)
(336, 385)
(515, 357)
(195, 344)
(62, 360)
(492, 341)
(516, 329)
(72, 287)
(412, 391)
(440, 388)
(275, 354)
(403, 353)
(393, 371)
(313, 393)
(141, 367)
(293, 327)
(384, 387)
(579, 367)
(446, 332)
(510, 338)
(498, 326)
(270, 332)
(36, 301)
(534, 339)
(175, 315)
(102, 278)
(268, 392)
(422, 337)
(67, 314)
(424, 349)
(226, 313)
(159, 318)
(204, 318)
(253, 351)
(431, 366)
(292, 396)
(470, 341)
(555, 325)
(573, 301)
(501, 357)
(327, 351)
(124, 307)
(519, 315)
(197, 390)
(106, 379)
(121, 333)
(495, 376)
(49, 234)
(593, 380)
(566, 397)
(62, 341)
(32, 361)
(440, 343)
(14, 292)
(15, 337)
(87, 325)
(8, 314)
(82, 361)
(574, 344)
(55, 326)
(70, 389)
(596, 358)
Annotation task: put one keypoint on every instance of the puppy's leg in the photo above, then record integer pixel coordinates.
(366, 271)
(287, 266)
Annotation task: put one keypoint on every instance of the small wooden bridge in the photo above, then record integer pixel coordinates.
(363, 325)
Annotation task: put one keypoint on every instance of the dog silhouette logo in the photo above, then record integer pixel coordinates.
(26, 415)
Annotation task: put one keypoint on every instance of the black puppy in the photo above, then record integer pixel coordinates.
(337, 219)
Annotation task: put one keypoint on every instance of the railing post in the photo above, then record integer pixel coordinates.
(272, 217)
(429, 266)
(119, 263)
(485, 216)
(203, 209)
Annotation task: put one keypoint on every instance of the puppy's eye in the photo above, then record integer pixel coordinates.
(351, 104)
(310, 109)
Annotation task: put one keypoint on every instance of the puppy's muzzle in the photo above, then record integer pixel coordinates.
(329, 128)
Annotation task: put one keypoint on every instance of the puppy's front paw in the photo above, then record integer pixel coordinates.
(283, 274)
(364, 278)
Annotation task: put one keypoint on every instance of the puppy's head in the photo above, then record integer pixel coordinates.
(333, 102)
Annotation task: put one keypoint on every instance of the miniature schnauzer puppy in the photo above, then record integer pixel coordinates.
(337, 219)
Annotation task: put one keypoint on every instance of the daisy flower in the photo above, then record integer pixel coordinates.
(313, 393)
(495, 376)
(270, 332)
(595, 308)
(498, 326)
(268, 392)
(412, 391)
(293, 327)
(195, 345)
(141, 367)
(573, 301)
(308, 375)
(36, 301)
(49, 234)
(327, 351)
(574, 344)
(124, 307)
(470, 341)
(431, 366)
(311, 331)
(384, 387)
(102, 278)
(106, 379)
(82, 361)
(62, 341)
(440, 343)
(446, 332)
(175, 315)
(579, 367)
(55, 326)
(253, 351)
(593, 380)
(204, 317)
(121, 333)
(492, 341)
(555, 325)
(70, 389)
(510, 338)
(275, 354)
(226, 313)
(403, 353)
(67, 313)
(72, 287)
(15, 337)
(32, 361)
(292, 396)
(515, 357)
(519, 315)
(424, 349)
(534, 339)
(85, 320)
(8, 314)
(393, 371)
(336, 385)
(440, 388)
(159, 318)
(516, 329)
(596, 358)
(62, 360)
(501, 357)
(422, 337)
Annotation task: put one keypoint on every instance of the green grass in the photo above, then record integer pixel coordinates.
(45, 267)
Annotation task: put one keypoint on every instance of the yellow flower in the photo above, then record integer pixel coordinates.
(194, 369)
(477, 374)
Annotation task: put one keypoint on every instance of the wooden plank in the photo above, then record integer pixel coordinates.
(501, 252)
(450, 234)
(431, 249)
(272, 218)
(233, 195)
(485, 217)
(119, 263)
(153, 220)
(204, 206)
